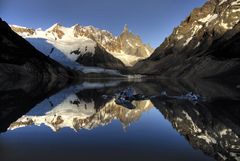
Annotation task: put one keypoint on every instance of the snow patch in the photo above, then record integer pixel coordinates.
(195, 127)
(235, 155)
(196, 28)
(205, 19)
(222, 156)
(224, 132)
(148, 52)
(212, 18)
(187, 41)
(222, 1)
(179, 119)
(235, 3)
(207, 138)
(225, 25)
(130, 44)
(16, 26)
(197, 45)
(180, 37)
(209, 18)
(236, 10)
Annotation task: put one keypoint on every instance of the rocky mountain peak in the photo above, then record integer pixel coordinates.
(54, 26)
(23, 30)
(133, 44)
(76, 26)
(56, 29)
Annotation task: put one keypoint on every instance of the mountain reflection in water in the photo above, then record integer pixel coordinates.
(206, 114)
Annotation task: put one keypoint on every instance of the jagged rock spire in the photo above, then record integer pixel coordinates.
(125, 28)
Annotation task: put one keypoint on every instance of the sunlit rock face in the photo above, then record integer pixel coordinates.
(127, 47)
(206, 43)
(132, 44)
(22, 30)
(212, 127)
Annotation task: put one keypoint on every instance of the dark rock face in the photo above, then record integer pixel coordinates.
(101, 58)
(205, 44)
(19, 60)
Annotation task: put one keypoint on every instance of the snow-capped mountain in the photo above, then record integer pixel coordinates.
(87, 45)
(198, 46)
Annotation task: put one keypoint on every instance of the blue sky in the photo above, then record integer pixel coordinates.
(153, 20)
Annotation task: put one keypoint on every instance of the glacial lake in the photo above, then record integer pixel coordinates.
(116, 120)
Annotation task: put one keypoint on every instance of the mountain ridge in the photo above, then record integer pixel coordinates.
(126, 47)
(191, 49)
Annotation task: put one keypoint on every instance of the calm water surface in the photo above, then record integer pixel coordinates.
(85, 122)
